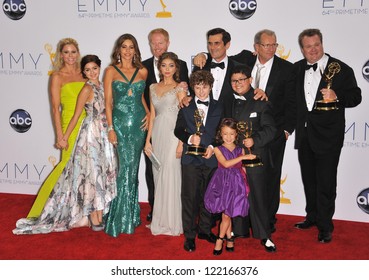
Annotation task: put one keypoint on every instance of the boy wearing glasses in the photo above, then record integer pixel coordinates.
(259, 116)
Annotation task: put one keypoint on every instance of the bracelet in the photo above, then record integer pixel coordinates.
(110, 128)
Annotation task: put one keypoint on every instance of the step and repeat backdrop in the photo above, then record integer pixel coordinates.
(31, 29)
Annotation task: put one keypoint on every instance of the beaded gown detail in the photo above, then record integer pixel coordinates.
(228, 188)
(88, 182)
(167, 212)
(68, 99)
(128, 113)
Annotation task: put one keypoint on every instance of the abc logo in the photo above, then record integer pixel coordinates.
(363, 200)
(20, 120)
(366, 71)
(242, 9)
(14, 9)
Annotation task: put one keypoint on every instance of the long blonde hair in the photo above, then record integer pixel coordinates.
(58, 60)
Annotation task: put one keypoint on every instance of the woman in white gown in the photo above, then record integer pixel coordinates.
(165, 97)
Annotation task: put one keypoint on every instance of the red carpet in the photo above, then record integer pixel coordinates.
(350, 242)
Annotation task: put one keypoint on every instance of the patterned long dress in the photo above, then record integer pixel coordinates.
(88, 182)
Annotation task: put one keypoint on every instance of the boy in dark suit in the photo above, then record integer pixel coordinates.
(196, 169)
(259, 113)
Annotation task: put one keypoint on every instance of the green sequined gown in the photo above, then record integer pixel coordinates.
(128, 112)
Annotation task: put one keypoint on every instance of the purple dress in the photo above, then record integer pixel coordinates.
(228, 188)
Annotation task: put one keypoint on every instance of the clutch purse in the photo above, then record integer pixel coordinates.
(155, 161)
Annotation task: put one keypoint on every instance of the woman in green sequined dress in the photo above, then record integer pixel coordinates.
(127, 117)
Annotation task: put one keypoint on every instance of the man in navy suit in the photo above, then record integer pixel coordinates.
(272, 85)
(196, 169)
(320, 133)
(159, 43)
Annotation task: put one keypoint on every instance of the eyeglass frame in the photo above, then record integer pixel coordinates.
(239, 81)
(267, 46)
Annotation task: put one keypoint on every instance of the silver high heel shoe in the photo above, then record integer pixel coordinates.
(98, 227)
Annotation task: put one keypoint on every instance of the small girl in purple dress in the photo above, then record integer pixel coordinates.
(228, 188)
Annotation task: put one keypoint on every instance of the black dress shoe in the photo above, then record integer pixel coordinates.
(324, 236)
(305, 225)
(149, 217)
(189, 245)
(269, 246)
(209, 237)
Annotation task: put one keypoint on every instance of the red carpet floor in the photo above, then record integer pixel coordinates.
(350, 242)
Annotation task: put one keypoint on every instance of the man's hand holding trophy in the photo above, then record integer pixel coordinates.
(328, 103)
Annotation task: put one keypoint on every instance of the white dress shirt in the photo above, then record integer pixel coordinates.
(156, 70)
(219, 75)
(264, 73)
(312, 80)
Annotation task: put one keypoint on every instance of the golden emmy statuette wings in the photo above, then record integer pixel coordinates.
(328, 104)
(197, 150)
(245, 128)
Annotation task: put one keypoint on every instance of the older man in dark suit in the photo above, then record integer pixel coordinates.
(320, 133)
(159, 43)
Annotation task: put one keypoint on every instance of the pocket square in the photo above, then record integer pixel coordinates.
(253, 115)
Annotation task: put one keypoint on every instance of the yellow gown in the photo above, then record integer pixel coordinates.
(68, 100)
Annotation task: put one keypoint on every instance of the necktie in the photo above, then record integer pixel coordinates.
(257, 77)
(206, 103)
(214, 65)
(314, 66)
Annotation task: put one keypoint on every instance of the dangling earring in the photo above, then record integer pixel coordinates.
(134, 58)
(118, 58)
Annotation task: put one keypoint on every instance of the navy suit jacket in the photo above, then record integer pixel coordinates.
(325, 129)
(185, 127)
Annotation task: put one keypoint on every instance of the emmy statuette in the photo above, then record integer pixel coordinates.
(197, 150)
(328, 104)
(245, 128)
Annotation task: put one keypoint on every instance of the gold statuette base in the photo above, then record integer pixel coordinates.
(196, 150)
(163, 14)
(326, 105)
(252, 162)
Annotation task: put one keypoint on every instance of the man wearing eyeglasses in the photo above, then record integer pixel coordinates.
(270, 75)
(258, 115)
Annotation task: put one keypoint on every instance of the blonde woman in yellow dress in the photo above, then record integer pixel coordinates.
(66, 82)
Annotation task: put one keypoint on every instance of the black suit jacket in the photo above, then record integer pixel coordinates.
(185, 127)
(151, 79)
(261, 116)
(325, 129)
(226, 94)
(277, 85)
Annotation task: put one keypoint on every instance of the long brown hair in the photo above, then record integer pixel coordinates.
(115, 57)
(171, 56)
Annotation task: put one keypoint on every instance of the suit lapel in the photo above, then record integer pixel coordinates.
(273, 77)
